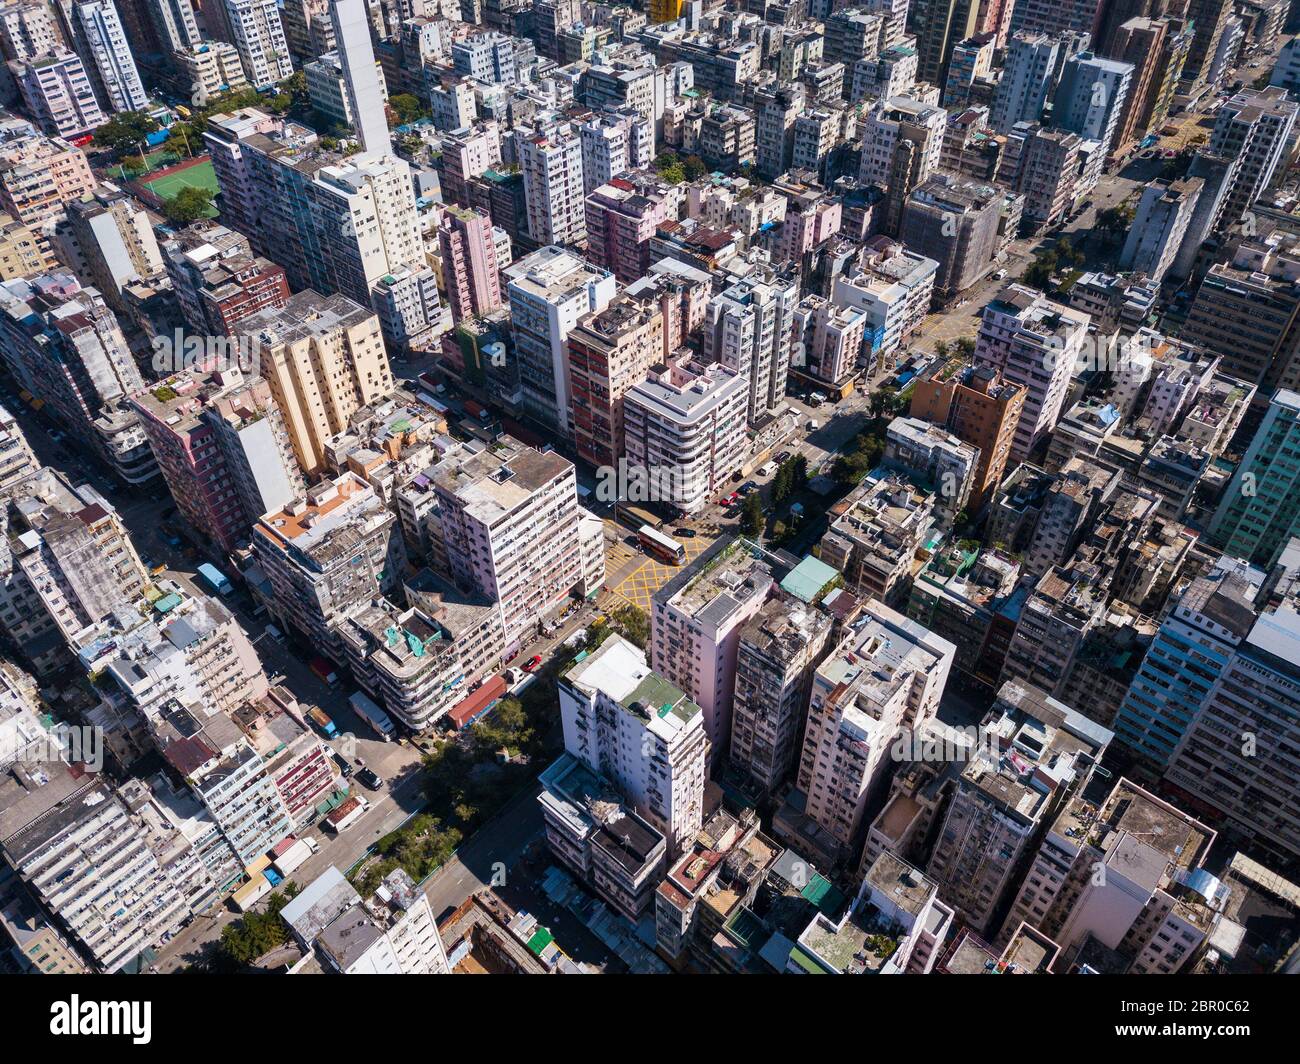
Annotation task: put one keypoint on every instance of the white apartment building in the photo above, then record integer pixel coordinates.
(508, 523)
(612, 144)
(893, 288)
(936, 457)
(325, 553)
(895, 119)
(749, 328)
(631, 726)
(828, 340)
(394, 933)
(258, 36)
(885, 678)
(59, 94)
(328, 91)
(1159, 225)
(98, 28)
(210, 69)
(89, 861)
(685, 426)
(1028, 73)
(1033, 752)
(1091, 96)
(1127, 873)
(551, 160)
(550, 290)
(1032, 341)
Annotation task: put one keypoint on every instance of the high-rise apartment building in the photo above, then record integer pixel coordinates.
(749, 328)
(324, 359)
(1028, 74)
(610, 351)
(1091, 97)
(684, 425)
(223, 449)
(1255, 127)
(1031, 341)
(551, 160)
(508, 525)
(779, 649)
(883, 680)
(59, 94)
(1234, 761)
(1033, 753)
(622, 215)
(333, 549)
(97, 28)
(1197, 637)
(629, 724)
(981, 409)
(1159, 225)
(256, 32)
(471, 276)
(695, 627)
(217, 278)
(1260, 509)
(550, 291)
(1125, 872)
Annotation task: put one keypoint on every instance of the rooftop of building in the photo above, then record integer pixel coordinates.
(618, 670)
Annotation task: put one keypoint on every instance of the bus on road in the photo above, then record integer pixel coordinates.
(661, 546)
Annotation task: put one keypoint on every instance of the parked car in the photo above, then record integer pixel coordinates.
(685, 533)
(749, 487)
(370, 778)
(784, 456)
(533, 663)
(345, 766)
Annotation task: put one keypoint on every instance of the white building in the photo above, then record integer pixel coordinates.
(1091, 95)
(886, 677)
(1159, 226)
(749, 328)
(628, 724)
(508, 523)
(686, 422)
(551, 160)
(59, 94)
(259, 38)
(1034, 342)
(614, 143)
(394, 933)
(550, 290)
(98, 28)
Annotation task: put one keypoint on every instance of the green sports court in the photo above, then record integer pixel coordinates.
(200, 175)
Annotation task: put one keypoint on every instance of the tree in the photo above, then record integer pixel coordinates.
(694, 167)
(188, 205)
(633, 623)
(751, 516)
(406, 108)
(781, 484)
(125, 132)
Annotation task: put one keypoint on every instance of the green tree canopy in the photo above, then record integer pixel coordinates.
(188, 205)
(125, 131)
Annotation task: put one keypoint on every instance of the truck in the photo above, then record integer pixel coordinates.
(366, 708)
(294, 856)
(215, 579)
(322, 720)
(325, 671)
